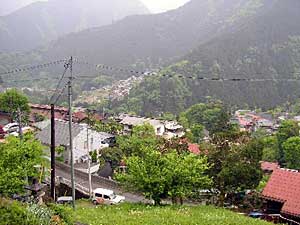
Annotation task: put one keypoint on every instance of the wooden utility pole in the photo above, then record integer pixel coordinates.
(70, 130)
(20, 124)
(89, 161)
(52, 152)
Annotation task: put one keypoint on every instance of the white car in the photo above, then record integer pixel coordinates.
(11, 127)
(105, 196)
(24, 131)
(64, 200)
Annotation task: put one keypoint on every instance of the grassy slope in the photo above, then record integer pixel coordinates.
(133, 214)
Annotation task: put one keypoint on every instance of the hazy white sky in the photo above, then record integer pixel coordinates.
(156, 6)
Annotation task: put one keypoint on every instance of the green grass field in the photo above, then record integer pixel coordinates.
(135, 214)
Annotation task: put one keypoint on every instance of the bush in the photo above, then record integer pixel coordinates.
(14, 213)
(63, 212)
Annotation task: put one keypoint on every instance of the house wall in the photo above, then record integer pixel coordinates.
(159, 129)
(80, 143)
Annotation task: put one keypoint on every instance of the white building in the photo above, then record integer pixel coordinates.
(80, 142)
(168, 129)
(131, 121)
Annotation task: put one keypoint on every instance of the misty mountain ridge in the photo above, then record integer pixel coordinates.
(215, 38)
(40, 22)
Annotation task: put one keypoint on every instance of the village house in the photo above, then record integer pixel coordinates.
(37, 110)
(282, 194)
(252, 121)
(79, 115)
(80, 142)
(168, 129)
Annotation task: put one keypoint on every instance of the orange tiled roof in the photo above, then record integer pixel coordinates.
(284, 186)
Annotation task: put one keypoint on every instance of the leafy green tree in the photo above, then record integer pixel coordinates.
(12, 102)
(168, 116)
(235, 160)
(141, 137)
(113, 155)
(144, 174)
(213, 116)
(159, 175)
(197, 132)
(110, 126)
(286, 130)
(184, 174)
(291, 149)
(17, 162)
(270, 149)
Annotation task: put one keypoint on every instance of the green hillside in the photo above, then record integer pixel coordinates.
(130, 214)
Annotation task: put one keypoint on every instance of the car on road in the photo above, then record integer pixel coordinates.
(106, 196)
(64, 200)
(11, 127)
(24, 131)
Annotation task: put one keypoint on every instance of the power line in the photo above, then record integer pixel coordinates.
(61, 93)
(66, 66)
(30, 68)
(135, 72)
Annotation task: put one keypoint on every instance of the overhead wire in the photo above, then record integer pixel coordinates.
(163, 74)
(66, 67)
(30, 68)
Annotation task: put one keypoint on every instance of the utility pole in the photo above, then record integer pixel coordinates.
(21, 140)
(20, 124)
(70, 130)
(52, 152)
(89, 160)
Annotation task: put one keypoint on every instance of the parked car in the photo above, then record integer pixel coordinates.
(105, 196)
(64, 200)
(24, 131)
(11, 127)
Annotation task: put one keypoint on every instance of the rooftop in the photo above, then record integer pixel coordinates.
(284, 186)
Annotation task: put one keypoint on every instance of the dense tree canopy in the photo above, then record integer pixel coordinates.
(286, 130)
(291, 149)
(18, 160)
(13, 102)
(160, 168)
(235, 160)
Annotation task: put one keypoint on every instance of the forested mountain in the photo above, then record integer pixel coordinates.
(207, 38)
(40, 22)
(153, 39)
(262, 43)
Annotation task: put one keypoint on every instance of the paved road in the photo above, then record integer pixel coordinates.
(97, 182)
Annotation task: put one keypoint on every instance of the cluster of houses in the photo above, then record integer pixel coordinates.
(85, 140)
(252, 121)
(123, 87)
(281, 193)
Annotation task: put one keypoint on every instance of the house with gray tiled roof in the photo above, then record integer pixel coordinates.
(80, 142)
(167, 129)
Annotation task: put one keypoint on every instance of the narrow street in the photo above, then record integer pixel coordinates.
(81, 179)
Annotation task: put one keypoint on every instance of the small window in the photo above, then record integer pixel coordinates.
(92, 140)
(98, 195)
(85, 145)
(106, 197)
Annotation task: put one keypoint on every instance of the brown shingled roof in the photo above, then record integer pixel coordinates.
(284, 186)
